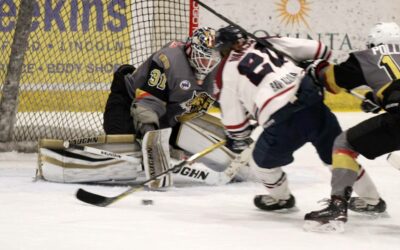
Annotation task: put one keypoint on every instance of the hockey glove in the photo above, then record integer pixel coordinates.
(392, 103)
(314, 68)
(369, 105)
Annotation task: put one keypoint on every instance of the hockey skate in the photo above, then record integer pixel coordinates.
(360, 205)
(329, 219)
(268, 203)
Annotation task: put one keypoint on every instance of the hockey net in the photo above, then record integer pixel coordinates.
(73, 49)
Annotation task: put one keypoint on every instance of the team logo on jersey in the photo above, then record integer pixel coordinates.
(197, 105)
(185, 85)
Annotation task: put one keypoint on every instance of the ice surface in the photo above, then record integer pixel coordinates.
(42, 215)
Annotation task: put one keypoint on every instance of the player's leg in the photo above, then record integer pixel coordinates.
(326, 129)
(371, 138)
(274, 149)
(380, 136)
(369, 199)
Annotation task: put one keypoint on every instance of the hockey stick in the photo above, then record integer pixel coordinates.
(259, 40)
(362, 98)
(102, 152)
(355, 94)
(102, 201)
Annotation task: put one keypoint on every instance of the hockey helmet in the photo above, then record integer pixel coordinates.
(200, 50)
(383, 33)
(228, 36)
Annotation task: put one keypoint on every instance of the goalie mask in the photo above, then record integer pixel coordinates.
(200, 50)
(383, 33)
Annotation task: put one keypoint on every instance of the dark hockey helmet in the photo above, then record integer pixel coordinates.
(200, 50)
(227, 37)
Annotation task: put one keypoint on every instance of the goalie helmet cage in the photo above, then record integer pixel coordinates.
(72, 51)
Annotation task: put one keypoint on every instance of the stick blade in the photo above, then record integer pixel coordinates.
(93, 199)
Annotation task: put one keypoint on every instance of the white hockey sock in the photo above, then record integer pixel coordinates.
(273, 179)
(365, 188)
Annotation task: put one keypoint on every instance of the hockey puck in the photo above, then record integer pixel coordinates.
(147, 202)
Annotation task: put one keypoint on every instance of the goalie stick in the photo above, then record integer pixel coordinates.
(103, 201)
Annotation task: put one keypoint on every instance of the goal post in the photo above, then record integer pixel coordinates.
(72, 51)
(10, 88)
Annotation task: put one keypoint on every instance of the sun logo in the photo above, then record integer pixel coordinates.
(293, 11)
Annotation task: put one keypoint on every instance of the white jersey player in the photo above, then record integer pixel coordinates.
(257, 83)
(263, 81)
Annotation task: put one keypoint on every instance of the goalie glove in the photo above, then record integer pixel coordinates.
(118, 82)
(369, 105)
(125, 69)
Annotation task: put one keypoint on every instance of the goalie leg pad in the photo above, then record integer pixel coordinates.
(156, 157)
(57, 164)
(202, 132)
(222, 164)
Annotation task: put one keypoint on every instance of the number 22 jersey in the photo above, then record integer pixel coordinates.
(257, 82)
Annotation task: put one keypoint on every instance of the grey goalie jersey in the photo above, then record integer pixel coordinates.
(166, 84)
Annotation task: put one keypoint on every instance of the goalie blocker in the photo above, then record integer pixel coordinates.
(71, 165)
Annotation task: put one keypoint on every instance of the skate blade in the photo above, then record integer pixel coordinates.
(286, 210)
(373, 215)
(281, 211)
(319, 227)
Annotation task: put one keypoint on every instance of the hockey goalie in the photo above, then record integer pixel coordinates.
(173, 88)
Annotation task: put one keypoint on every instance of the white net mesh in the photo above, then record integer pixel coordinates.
(74, 48)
